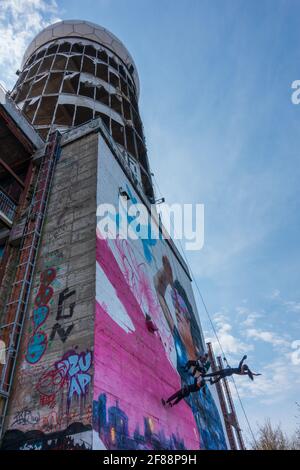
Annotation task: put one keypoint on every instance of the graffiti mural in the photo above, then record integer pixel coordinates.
(53, 384)
(64, 391)
(58, 329)
(112, 424)
(188, 345)
(38, 340)
(75, 437)
(147, 241)
(97, 359)
(37, 344)
(72, 371)
(25, 417)
(136, 366)
(195, 423)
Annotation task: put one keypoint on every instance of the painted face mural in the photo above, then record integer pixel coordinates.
(188, 344)
(134, 367)
(145, 331)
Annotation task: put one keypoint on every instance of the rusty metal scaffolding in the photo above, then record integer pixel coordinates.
(16, 308)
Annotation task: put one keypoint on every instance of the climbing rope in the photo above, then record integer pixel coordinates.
(211, 323)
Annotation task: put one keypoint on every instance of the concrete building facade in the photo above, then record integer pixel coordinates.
(84, 370)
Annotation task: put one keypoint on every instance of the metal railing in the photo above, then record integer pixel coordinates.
(7, 207)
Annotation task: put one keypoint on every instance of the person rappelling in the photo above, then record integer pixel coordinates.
(201, 365)
(185, 391)
(242, 369)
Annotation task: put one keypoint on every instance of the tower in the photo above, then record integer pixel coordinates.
(83, 369)
(75, 71)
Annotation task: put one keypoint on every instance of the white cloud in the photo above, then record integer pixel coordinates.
(274, 385)
(250, 316)
(295, 355)
(275, 294)
(268, 387)
(230, 343)
(20, 21)
(292, 306)
(241, 310)
(267, 337)
(250, 320)
(271, 387)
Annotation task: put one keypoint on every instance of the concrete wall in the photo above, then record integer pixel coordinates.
(136, 368)
(52, 394)
(90, 373)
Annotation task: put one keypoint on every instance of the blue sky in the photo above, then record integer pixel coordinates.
(221, 130)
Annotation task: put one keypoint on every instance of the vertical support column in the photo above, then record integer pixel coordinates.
(220, 392)
(232, 417)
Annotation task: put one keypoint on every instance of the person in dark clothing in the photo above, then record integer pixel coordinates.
(201, 365)
(150, 324)
(184, 392)
(242, 369)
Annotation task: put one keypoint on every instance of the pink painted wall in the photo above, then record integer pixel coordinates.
(133, 367)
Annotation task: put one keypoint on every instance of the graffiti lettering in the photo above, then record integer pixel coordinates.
(34, 446)
(63, 296)
(49, 385)
(76, 436)
(62, 333)
(25, 416)
(76, 366)
(57, 328)
(37, 343)
(36, 347)
(48, 401)
(71, 370)
(51, 422)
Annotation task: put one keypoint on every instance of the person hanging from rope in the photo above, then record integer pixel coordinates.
(150, 324)
(185, 391)
(201, 365)
(242, 369)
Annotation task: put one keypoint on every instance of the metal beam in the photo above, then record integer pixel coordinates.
(233, 416)
(223, 404)
(12, 173)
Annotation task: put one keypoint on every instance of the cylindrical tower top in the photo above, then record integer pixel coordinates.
(84, 30)
(76, 71)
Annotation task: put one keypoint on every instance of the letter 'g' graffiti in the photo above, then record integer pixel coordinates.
(37, 343)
